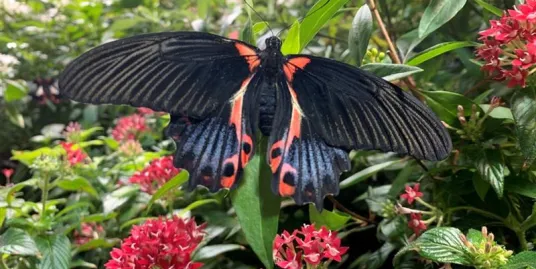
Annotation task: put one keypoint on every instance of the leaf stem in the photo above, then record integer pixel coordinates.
(337, 204)
(522, 239)
(44, 195)
(476, 210)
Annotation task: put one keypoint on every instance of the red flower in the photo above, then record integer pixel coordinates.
(88, 232)
(307, 245)
(74, 154)
(509, 48)
(159, 243)
(8, 172)
(416, 223)
(155, 175)
(412, 193)
(129, 127)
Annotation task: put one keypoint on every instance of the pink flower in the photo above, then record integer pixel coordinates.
(416, 223)
(74, 154)
(88, 232)
(159, 243)
(509, 49)
(155, 175)
(307, 245)
(412, 193)
(8, 172)
(129, 127)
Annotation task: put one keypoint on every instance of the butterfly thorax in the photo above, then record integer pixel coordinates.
(272, 58)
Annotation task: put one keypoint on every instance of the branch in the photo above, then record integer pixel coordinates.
(348, 211)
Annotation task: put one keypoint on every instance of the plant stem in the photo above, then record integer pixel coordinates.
(476, 210)
(44, 196)
(3, 264)
(348, 211)
(522, 239)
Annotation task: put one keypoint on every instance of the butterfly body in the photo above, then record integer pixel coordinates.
(220, 92)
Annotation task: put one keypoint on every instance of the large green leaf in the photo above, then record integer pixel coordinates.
(489, 7)
(292, 41)
(14, 91)
(17, 242)
(317, 17)
(442, 244)
(490, 165)
(437, 50)
(256, 206)
(521, 185)
(391, 72)
(77, 184)
(365, 173)
(360, 33)
(524, 260)
(445, 105)
(55, 250)
(331, 219)
(438, 13)
(524, 111)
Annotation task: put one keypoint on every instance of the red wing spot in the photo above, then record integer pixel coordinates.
(286, 189)
(247, 145)
(290, 67)
(227, 180)
(249, 54)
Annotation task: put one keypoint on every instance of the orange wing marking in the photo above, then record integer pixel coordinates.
(284, 188)
(249, 54)
(290, 67)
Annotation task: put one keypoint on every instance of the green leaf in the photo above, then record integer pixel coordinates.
(524, 111)
(475, 237)
(14, 115)
(210, 252)
(27, 157)
(490, 165)
(331, 219)
(481, 186)
(437, 50)
(256, 206)
(522, 260)
(407, 42)
(365, 173)
(317, 17)
(246, 34)
(97, 243)
(171, 185)
(291, 45)
(360, 33)
(17, 242)
(375, 259)
(197, 204)
(442, 244)
(489, 7)
(259, 27)
(56, 251)
(391, 72)
(438, 13)
(445, 105)
(134, 221)
(499, 112)
(14, 91)
(77, 184)
(401, 179)
(521, 186)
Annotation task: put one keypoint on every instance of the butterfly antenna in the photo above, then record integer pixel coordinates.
(300, 20)
(259, 15)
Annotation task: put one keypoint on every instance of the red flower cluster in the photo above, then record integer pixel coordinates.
(509, 47)
(155, 175)
(148, 112)
(307, 245)
(159, 243)
(88, 232)
(74, 154)
(412, 193)
(416, 223)
(129, 127)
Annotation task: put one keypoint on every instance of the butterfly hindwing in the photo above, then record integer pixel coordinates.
(189, 73)
(303, 165)
(216, 149)
(352, 109)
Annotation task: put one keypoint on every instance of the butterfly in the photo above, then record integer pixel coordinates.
(46, 89)
(220, 92)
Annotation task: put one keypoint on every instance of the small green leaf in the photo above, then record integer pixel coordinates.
(437, 50)
(197, 204)
(14, 115)
(365, 173)
(317, 17)
(524, 111)
(134, 222)
(291, 45)
(490, 165)
(77, 184)
(256, 206)
(442, 244)
(360, 33)
(481, 186)
(521, 185)
(445, 105)
(391, 72)
(259, 27)
(401, 179)
(17, 242)
(27, 157)
(56, 251)
(97, 243)
(475, 237)
(522, 260)
(499, 112)
(210, 252)
(489, 7)
(174, 183)
(438, 13)
(247, 33)
(14, 91)
(407, 42)
(331, 219)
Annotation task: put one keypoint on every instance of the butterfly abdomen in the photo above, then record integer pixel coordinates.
(267, 106)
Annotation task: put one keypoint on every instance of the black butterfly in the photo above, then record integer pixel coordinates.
(46, 89)
(220, 91)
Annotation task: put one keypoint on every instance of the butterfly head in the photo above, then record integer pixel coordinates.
(273, 42)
